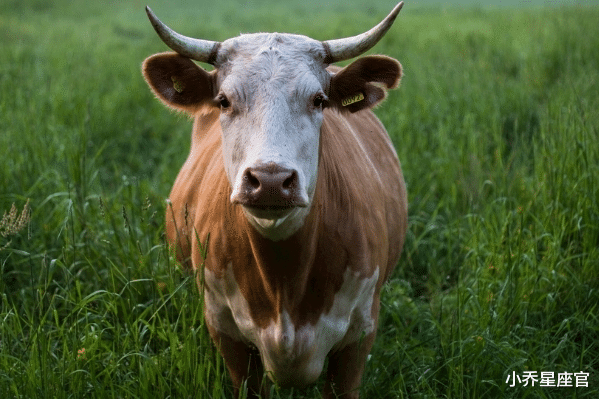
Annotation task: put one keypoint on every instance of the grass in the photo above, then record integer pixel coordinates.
(496, 126)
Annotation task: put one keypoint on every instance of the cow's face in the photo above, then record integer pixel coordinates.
(271, 91)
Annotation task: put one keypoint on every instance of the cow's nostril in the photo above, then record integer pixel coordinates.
(252, 180)
(290, 182)
(269, 186)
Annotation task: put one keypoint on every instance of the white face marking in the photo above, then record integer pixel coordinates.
(293, 354)
(270, 82)
(280, 228)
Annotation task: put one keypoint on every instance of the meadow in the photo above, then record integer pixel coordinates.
(496, 124)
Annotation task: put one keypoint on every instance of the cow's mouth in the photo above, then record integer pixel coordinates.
(273, 208)
(269, 211)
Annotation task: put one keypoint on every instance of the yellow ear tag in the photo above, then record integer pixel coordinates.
(352, 99)
(177, 84)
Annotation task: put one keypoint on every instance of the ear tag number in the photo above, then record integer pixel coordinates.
(177, 84)
(352, 99)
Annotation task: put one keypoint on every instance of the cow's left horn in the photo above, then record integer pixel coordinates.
(196, 49)
(350, 47)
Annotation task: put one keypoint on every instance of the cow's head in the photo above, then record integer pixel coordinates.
(271, 90)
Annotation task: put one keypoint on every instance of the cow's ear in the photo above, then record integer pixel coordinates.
(178, 82)
(363, 83)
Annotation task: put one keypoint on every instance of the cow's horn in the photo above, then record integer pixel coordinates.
(350, 47)
(196, 49)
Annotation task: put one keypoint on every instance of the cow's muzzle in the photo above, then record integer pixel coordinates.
(269, 189)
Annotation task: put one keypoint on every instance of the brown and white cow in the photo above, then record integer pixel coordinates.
(299, 187)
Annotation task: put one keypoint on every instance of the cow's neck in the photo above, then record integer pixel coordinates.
(285, 266)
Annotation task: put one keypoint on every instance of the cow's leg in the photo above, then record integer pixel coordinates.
(346, 366)
(243, 363)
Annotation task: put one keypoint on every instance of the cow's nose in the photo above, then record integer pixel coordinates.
(269, 186)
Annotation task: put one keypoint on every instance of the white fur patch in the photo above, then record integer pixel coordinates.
(293, 354)
(270, 81)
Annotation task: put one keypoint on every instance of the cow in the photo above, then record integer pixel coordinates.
(298, 187)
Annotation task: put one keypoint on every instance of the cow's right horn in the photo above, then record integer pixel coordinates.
(350, 47)
(196, 49)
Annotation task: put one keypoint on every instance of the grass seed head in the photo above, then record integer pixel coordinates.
(12, 223)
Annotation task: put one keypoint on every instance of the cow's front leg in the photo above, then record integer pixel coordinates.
(346, 366)
(243, 363)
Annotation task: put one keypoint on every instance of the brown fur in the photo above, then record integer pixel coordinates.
(358, 217)
(178, 82)
(359, 76)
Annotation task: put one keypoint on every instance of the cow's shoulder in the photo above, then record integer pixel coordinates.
(201, 188)
(361, 188)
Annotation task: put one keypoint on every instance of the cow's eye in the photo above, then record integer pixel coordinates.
(318, 100)
(223, 101)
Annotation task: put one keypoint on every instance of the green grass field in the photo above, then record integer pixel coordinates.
(497, 127)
